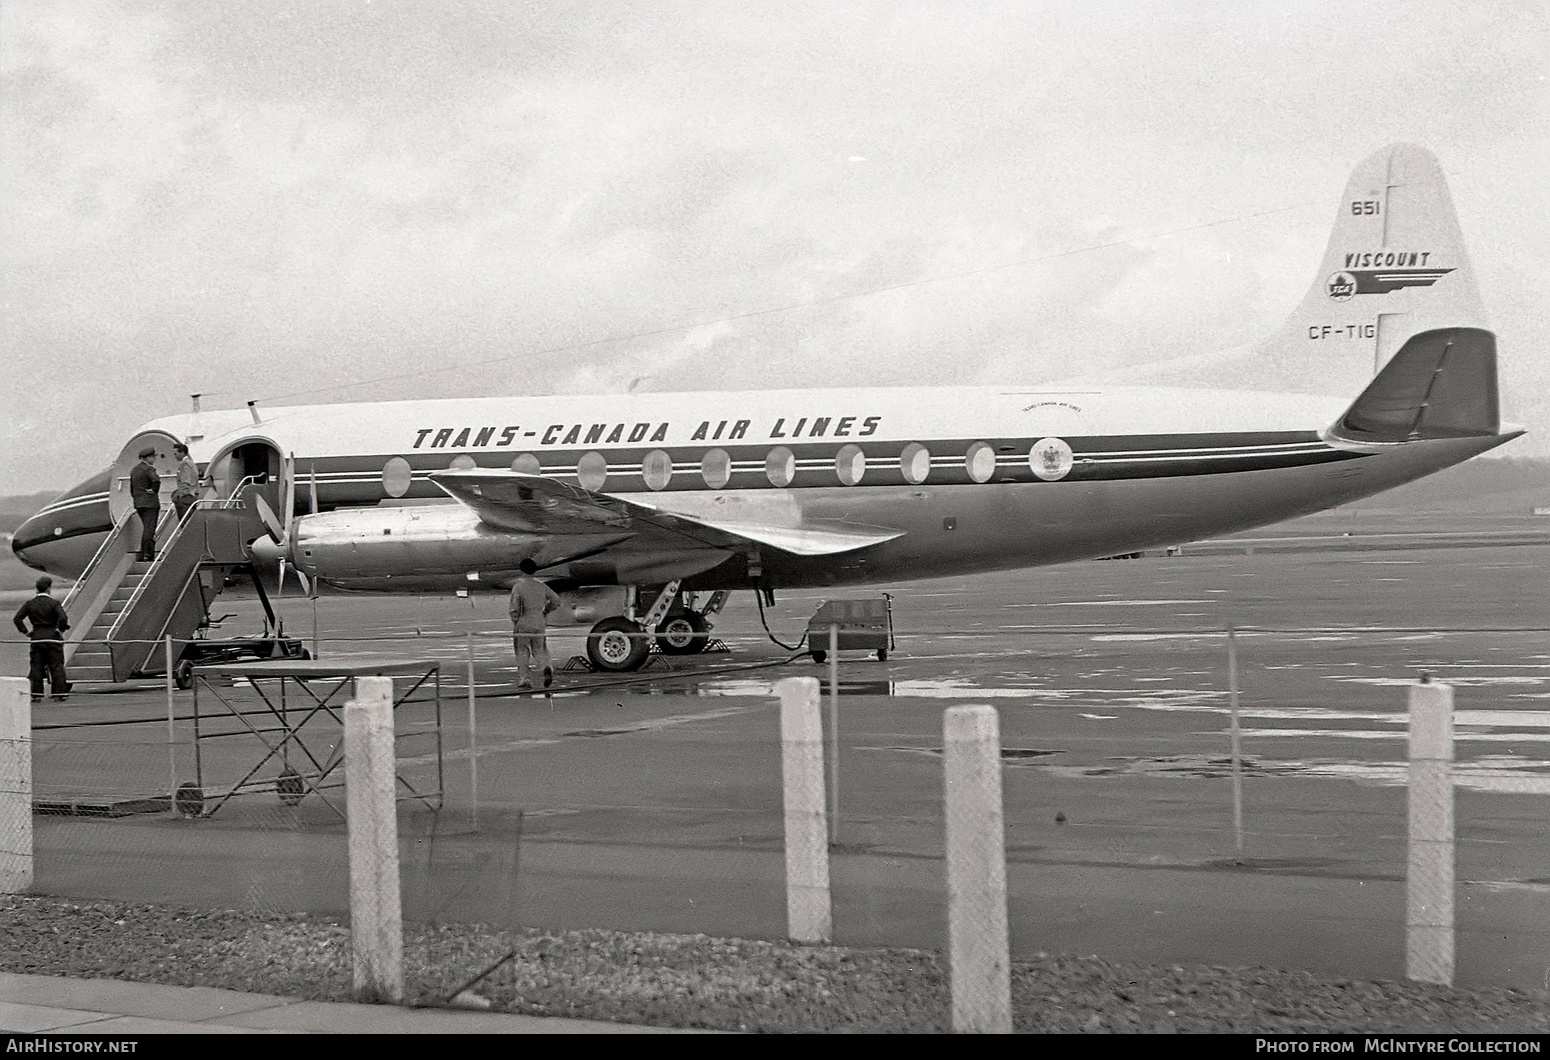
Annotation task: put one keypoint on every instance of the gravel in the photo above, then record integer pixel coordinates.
(727, 984)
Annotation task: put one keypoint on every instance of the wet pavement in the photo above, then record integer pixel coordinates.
(652, 802)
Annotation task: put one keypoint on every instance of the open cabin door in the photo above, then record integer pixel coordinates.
(165, 462)
(255, 465)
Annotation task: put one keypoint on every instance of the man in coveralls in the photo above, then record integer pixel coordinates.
(145, 490)
(531, 603)
(48, 640)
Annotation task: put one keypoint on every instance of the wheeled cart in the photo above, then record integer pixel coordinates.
(862, 624)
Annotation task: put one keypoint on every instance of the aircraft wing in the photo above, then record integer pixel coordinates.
(511, 500)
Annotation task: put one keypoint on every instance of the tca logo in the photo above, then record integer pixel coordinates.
(1341, 285)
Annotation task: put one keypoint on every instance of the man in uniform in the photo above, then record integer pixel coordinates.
(48, 640)
(145, 490)
(531, 602)
(186, 492)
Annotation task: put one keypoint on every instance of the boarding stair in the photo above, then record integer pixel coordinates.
(123, 609)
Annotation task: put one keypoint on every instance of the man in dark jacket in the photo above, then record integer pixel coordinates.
(48, 640)
(144, 490)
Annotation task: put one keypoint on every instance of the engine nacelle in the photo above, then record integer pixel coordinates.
(402, 546)
(591, 604)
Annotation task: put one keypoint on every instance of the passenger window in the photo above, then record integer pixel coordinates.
(850, 464)
(657, 469)
(527, 464)
(780, 466)
(980, 462)
(462, 462)
(592, 471)
(915, 463)
(716, 468)
(396, 477)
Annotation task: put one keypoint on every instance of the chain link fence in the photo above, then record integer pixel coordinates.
(652, 801)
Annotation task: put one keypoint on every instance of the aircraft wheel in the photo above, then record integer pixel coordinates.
(818, 655)
(683, 633)
(617, 645)
(882, 654)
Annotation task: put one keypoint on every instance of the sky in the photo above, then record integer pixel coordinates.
(339, 200)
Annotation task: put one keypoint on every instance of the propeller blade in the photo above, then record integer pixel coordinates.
(270, 520)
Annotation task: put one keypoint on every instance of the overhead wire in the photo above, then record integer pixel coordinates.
(786, 308)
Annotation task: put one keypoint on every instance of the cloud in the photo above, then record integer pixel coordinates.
(294, 198)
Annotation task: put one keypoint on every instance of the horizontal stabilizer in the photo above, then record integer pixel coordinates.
(511, 500)
(1441, 384)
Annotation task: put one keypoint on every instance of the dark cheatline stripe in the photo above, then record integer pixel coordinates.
(1104, 458)
(358, 480)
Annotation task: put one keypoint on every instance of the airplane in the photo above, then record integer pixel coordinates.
(635, 505)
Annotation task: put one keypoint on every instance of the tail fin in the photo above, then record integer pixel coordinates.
(1395, 267)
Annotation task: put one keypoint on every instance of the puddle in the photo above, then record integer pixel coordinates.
(1008, 754)
(1501, 774)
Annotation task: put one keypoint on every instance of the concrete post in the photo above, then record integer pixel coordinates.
(376, 911)
(808, 911)
(1429, 880)
(15, 786)
(979, 961)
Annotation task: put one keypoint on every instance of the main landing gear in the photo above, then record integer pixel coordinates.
(621, 644)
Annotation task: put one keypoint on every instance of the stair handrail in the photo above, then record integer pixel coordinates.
(102, 550)
(234, 499)
(149, 576)
(161, 633)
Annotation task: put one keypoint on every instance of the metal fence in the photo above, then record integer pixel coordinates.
(653, 801)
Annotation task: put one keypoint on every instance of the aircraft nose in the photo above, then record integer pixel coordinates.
(27, 537)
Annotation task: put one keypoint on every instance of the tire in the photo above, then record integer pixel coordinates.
(882, 654)
(289, 787)
(304, 654)
(617, 645)
(183, 674)
(818, 655)
(683, 634)
(189, 800)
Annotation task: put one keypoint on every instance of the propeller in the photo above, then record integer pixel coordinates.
(280, 534)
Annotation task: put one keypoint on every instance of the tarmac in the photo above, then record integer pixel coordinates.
(44, 1004)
